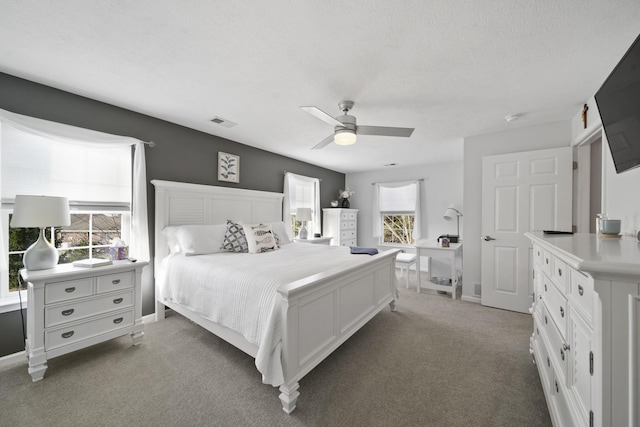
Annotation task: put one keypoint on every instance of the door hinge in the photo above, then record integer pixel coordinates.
(591, 362)
(590, 418)
(575, 165)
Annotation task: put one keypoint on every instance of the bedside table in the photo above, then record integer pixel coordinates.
(315, 240)
(69, 308)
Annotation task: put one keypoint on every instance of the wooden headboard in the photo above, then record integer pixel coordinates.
(179, 203)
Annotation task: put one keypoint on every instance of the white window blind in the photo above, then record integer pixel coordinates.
(397, 197)
(87, 175)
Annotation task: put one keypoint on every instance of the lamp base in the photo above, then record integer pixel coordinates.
(42, 255)
(303, 233)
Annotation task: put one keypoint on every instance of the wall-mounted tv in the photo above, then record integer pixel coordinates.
(618, 102)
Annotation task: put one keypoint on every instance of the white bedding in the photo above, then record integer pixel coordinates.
(238, 290)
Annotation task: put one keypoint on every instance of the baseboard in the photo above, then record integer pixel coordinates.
(469, 298)
(149, 318)
(13, 359)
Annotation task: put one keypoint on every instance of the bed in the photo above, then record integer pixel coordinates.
(291, 316)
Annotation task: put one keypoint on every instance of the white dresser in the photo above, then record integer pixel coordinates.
(342, 225)
(586, 327)
(70, 308)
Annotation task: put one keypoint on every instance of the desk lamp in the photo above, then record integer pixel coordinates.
(42, 212)
(450, 213)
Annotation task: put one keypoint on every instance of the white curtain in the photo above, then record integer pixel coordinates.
(399, 197)
(301, 191)
(139, 244)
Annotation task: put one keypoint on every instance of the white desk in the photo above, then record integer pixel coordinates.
(432, 249)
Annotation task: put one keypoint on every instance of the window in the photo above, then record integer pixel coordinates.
(397, 228)
(302, 192)
(397, 205)
(98, 173)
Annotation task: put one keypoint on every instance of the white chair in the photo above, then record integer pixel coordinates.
(404, 260)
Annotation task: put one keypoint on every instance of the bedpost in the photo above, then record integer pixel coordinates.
(289, 396)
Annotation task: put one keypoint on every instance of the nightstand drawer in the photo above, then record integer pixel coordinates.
(63, 291)
(73, 333)
(112, 282)
(78, 310)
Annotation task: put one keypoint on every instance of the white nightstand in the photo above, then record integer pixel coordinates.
(315, 240)
(70, 308)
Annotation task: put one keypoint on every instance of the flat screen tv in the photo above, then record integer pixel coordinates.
(618, 102)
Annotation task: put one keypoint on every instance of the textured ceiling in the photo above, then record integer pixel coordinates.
(450, 69)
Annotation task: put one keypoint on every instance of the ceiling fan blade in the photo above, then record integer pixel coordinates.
(318, 113)
(323, 143)
(384, 131)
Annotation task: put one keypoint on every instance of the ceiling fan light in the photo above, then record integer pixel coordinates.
(345, 137)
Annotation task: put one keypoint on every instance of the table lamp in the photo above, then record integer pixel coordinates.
(303, 215)
(42, 212)
(450, 213)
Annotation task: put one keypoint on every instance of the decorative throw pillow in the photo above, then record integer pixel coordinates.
(201, 239)
(260, 238)
(234, 238)
(280, 230)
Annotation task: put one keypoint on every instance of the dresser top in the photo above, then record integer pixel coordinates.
(593, 253)
(68, 271)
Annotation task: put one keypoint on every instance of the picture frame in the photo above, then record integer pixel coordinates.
(228, 167)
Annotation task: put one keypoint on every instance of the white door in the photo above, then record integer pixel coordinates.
(529, 191)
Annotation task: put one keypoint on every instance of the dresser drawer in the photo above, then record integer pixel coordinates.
(581, 291)
(63, 291)
(348, 216)
(69, 312)
(557, 350)
(79, 331)
(348, 234)
(348, 225)
(537, 256)
(112, 282)
(347, 243)
(542, 357)
(559, 274)
(556, 304)
(546, 262)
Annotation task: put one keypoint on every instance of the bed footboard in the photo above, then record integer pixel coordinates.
(322, 312)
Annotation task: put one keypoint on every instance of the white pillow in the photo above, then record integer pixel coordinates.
(201, 239)
(172, 239)
(260, 238)
(281, 230)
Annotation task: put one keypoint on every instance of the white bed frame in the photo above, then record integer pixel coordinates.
(320, 312)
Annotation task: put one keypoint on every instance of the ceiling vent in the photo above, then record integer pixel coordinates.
(223, 122)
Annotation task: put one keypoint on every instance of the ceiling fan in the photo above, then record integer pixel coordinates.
(345, 128)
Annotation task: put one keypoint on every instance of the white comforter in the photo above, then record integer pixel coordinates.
(238, 291)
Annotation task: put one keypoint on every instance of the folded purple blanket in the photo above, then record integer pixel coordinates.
(366, 251)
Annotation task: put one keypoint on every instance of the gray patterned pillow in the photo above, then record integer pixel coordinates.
(234, 238)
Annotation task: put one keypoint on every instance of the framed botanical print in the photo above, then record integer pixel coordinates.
(228, 167)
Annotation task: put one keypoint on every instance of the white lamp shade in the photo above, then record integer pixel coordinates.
(344, 137)
(451, 213)
(303, 214)
(40, 211)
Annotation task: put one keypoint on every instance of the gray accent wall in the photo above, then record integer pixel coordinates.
(181, 154)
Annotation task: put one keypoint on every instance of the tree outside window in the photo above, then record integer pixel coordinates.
(397, 229)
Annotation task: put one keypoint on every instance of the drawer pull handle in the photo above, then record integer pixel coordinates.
(118, 320)
(565, 346)
(580, 290)
(67, 334)
(545, 287)
(562, 354)
(117, 300)
(557, 388)
(548, 362)
(545, 320)
(69, 290)
(115, 282)
(559, 272)
(67, 312)
(546, 260)
(561, 311)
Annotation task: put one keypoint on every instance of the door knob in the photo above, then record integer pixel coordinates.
(487, 238)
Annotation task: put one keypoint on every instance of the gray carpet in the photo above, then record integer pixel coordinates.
(443, 363)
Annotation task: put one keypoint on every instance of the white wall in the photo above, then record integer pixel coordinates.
(442, 186)
(551, 135)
